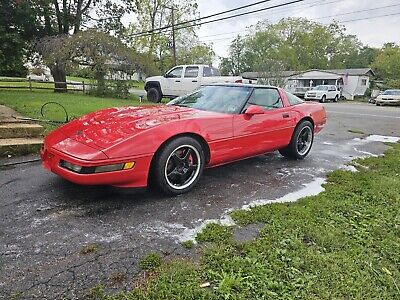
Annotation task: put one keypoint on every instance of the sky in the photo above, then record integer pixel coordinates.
(373, 31)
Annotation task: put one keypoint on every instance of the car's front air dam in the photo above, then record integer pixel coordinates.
(135, 177)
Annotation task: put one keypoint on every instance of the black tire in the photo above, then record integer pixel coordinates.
(323, 99)
(154, 95)
(336, 98)
(183, 174)
(292, 150)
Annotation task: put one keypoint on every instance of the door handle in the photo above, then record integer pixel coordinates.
(285, 116)
(177, 81)
(194, 80)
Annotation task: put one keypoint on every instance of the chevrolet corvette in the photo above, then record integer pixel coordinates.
(169, 146)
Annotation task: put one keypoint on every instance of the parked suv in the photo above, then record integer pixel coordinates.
(323, 93)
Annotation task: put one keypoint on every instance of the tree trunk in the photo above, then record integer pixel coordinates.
(60, 78)
(101, 83)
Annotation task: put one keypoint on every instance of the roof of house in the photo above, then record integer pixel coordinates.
(350, 72)
(255, 75)
(354, 72)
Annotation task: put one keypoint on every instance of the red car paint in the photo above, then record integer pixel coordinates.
(125, 134)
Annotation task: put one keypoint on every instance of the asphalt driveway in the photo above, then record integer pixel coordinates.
(46, 223)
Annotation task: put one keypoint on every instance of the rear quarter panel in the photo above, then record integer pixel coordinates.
(315, 111)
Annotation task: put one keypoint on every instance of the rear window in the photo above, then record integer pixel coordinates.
(210, 72)
(293, 100)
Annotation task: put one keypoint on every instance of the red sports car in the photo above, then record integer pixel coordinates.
(168, 146)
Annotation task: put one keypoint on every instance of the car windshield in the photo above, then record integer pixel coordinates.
(320, 88)
(392, 92)
(225, 99)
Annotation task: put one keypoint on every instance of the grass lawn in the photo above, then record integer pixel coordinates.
(77, 104)
(342, 244)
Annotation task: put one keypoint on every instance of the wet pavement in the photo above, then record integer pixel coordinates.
(46, 222)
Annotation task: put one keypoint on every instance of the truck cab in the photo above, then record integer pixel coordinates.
(183, 79)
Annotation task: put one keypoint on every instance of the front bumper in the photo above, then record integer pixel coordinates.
(135, 177)
(387, 102)
(312, 98)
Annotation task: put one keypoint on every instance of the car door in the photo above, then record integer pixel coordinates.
(191, 80)
(173, 82)
(265, 132)
(331, 92)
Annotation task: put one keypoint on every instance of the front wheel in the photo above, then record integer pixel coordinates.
(154, 95)
(301, 142)
(323, 99)
(336, 98)
(178, 166)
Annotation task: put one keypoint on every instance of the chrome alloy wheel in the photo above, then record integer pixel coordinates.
(182, 167)
(304, 140)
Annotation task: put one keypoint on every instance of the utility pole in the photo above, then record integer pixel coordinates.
(173, 34)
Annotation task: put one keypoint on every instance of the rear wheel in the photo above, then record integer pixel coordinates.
(154, 95)
(178, 166)
(301, 142)
(323, 99)
(336, 98)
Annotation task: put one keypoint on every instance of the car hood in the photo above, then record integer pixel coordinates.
(316, 91)
(389, 97)
(154, 78)
(105, 128)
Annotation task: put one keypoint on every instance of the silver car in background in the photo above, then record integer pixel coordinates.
(389, 97)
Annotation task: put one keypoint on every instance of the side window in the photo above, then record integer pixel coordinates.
(364, 82)
(175, 73)
(266, 98)
(191, 72)
(293, 100)
(215, 72)
(207, 72)
(210, 72)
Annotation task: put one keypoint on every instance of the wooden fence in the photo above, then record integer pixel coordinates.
(43, 85)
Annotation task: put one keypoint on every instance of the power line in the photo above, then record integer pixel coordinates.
(324, 17)
(309, 5)
(158, 30)
(202, 18)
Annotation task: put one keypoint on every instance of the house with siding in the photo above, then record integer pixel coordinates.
(352, 82)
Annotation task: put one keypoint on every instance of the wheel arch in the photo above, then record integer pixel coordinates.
(151, 84)
(306, 118)
(196, 136)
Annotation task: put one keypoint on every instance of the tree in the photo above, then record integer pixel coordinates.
(69, 16)
(18, 26)
(102, 53)
(364, 58)
(157, 46)
(197, 54)
(235, 63)
(387, 64)
(293, 44)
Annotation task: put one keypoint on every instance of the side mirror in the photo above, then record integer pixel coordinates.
(254, 110)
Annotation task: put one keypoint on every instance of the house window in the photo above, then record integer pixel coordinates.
(364, 82)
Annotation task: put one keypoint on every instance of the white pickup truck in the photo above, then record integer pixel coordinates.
(183, 79)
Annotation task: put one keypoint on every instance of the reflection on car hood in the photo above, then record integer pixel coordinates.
(107, 127)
